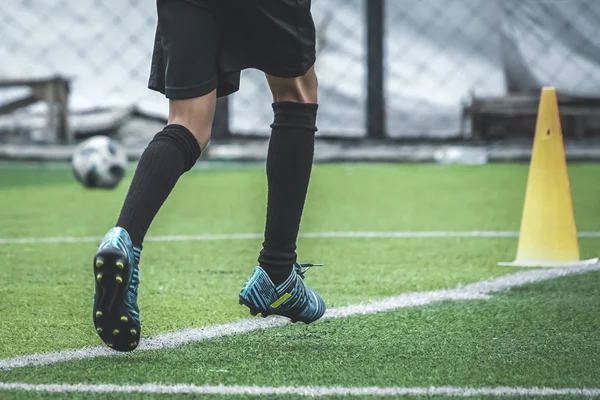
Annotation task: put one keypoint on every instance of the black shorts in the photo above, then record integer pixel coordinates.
(202, 45)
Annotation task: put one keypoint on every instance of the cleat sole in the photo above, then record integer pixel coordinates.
(109, 303)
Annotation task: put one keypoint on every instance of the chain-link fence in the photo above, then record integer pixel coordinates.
(443, 55)
(438, 59)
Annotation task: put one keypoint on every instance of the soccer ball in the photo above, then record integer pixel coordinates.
(99, 162)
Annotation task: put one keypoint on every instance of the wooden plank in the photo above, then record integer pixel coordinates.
(32, 82)
(7, 108)
(577, 113)
(55, 92)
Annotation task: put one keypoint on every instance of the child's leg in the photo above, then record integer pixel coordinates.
(185, 70)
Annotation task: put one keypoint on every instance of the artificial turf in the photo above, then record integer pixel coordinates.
(542, 335)
(546, 334)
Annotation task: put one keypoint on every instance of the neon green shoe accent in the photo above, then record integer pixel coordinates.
(281, 300)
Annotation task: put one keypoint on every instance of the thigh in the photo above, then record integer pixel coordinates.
(284, 37)
(186, 48)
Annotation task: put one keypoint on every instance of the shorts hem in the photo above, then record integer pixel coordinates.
(188, 92)
(289, 72)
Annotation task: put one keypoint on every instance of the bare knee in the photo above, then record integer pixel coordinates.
(302, 89)
(196, 115)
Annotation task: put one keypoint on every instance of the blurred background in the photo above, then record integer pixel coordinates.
(408, 80)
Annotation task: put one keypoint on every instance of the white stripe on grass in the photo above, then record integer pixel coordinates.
(314, 235)
(479, 290)
(312, 391)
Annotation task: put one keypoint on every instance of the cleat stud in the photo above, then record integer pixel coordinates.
(116, 332)
(109, 344)
(124, 319)
(133, 332)
(118, 279)
(120, 265)
(98, 314)
(99, 263)
(133, 344)
(99, 330)
(99, 277)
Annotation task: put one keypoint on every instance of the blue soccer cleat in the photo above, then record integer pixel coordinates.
(116, 314)
(290, 299)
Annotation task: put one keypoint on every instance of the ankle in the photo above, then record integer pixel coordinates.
(278, 274)
(277, 261)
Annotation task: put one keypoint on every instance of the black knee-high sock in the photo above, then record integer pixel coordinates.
(172, 152)
(289, 164)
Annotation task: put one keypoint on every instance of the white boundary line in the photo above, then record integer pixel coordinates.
(478, 290)
(314, 235)
(313, 391)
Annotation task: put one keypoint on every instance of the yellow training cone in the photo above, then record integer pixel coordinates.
(548, 236)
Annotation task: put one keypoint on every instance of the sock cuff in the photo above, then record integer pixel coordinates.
(181, 137)
(289, 114)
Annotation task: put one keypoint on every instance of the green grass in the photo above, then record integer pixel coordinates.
(137, 396)
(342, 197)
(16, 395)
(543, 335)
(546, 334)
(191, 284)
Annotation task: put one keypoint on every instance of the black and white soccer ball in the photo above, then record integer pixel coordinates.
(99, 162)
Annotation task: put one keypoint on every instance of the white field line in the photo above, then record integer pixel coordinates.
(314, 235)
(478, 290)
(312, 391)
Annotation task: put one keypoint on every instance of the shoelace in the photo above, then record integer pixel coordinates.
(302, 268)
